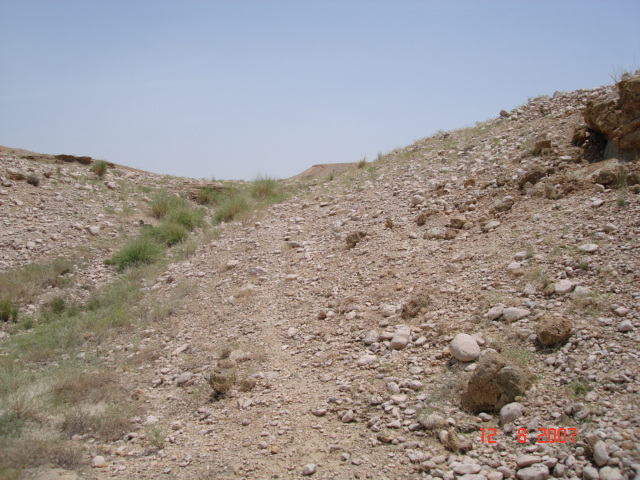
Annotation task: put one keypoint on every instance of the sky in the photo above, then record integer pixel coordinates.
(233, 89)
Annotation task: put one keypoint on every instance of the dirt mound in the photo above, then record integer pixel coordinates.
(324, 171)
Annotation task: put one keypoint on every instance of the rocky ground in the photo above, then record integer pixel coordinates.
(323, 338)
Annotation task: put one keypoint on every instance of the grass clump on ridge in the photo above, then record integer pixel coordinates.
(231, 208)
(99, 167)
(234, 203)
(266, 188)
(163, 203)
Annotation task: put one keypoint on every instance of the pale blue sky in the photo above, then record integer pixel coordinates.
(232, 89)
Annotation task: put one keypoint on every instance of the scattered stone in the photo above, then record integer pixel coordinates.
(348, 416)
(589, 473)
(464, 348)
(400, 338)
(511, 412)
(371, 337)
(457, 222)
(538, 471)
(527, 460)
(589, 247)
(503, 205)
(467, 469)
(600, 453)
(625, 326)
(621, 311)
(184, 378)
(610, 473)
(533, 175)
(513, 314)
(388, 310)
(309, 469)
(432, 421)
(367, 359)
(98, 462)
(564, 286)
(495, 313)
(490, 226)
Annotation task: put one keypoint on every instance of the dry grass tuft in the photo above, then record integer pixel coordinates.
(76, 387)
(110, 424)
(419, 304)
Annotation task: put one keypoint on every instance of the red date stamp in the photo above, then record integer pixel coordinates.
(545, 435)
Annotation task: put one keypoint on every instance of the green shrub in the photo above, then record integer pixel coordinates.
(190, 218)
(209, 195)
(163, 203)
(8, 310)
(139, 251)
(169, 234)
(10, 424)
(99, 167)
(57, 307)
(263, 188)
(230, 209)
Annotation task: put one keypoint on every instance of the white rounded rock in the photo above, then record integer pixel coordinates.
(467, 468)
(588, 247)
(495, 312)
(510, 412)
(600, 453)
(400, 338)
(309, 469)
(539, 471)
(610, 473)
(590, 473)
(625, 326)
(464, 348)
(513, 314)
(564, 286)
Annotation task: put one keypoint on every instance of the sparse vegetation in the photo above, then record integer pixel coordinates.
(109, 424)
(265, 188)
(33, 180)
(580, 387)
(518, 356)
(99, 167)
(168, 234)
(362, 163)
(22, 285)
(155, 435)
(163, 203)
(418, 304)
(178, 218)
(8, 310)
(230, 209)
(139, 251)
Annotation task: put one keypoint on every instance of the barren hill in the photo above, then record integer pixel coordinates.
(466, 307)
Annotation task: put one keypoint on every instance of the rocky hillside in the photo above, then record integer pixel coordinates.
(466, 307)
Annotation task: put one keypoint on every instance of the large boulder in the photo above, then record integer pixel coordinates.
(617, 117)
(552, 331)
(493, 384)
